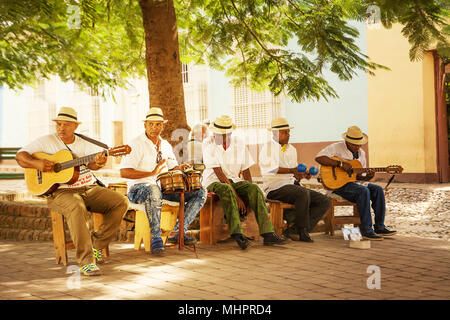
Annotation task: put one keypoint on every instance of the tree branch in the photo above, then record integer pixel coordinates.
(237, 40)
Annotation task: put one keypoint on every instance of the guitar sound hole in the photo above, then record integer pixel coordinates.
(57, 167)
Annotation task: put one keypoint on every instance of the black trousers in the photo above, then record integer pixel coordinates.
(310, 205)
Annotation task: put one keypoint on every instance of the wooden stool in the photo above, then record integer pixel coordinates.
(337, 201)
(276, 214)
(213, 226)
(61, 244)
(142, 234)
(276, 217)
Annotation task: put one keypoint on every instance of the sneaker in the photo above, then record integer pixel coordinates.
(385, 232)
(157, 246)
(98, 255)
(187, 240)
(371, 236)
(90, 270)
(272, 238)
(242, 241)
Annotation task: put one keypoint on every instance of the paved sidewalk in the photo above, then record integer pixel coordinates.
(409, 268)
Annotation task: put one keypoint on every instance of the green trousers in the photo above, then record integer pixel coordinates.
(252, 196)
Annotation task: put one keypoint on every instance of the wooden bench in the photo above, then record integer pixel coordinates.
(276, 214)
(329, 218)
(213, 227)
(337, 201)
(142, 235)
(61, 243)
(9, 153)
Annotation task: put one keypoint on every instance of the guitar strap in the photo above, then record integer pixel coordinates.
(98, 143)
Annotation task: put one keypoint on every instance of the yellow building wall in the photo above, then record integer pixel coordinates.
(401, 105)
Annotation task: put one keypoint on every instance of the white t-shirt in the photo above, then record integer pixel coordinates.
(143, 158)
(52, 143)
(340, 150)
(273, 157)
(235, 159)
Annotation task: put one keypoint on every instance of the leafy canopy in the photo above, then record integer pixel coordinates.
(100, 47)
(248, 39)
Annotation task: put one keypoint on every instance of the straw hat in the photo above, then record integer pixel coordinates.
(222, 125)
(355, 135)
(154, 114)
(67, 114)
(279, 124)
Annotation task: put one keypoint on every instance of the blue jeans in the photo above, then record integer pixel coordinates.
(151, 196)
(193, 202)
(362, 196)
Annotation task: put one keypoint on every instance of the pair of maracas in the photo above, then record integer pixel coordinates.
(313, 170)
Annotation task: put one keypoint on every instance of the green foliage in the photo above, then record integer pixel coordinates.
(100, 50)
(424, 22)
(249, 40)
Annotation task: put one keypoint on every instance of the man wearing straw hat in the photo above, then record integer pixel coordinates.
(278, 162)
(150, 156)
(224, 159)
(74, 200)
(361, 193)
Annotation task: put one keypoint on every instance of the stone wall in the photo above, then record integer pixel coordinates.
(25, 221)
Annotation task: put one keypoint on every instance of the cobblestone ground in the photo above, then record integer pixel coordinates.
(417, 210)
(407, 266)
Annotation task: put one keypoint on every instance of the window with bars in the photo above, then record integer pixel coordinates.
(185, 73)
(254, 110)
(196, 99)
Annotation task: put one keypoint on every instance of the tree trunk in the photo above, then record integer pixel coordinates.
(162, 56)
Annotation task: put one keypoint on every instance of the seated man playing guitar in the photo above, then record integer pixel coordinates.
(75, 197)
(361, 193)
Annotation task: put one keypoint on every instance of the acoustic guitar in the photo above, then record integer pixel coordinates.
(66, 169)
(335, 177)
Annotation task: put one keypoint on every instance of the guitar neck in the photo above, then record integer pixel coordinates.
(79, 161)
(365, 170)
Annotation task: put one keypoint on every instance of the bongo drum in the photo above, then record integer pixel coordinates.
(193, 180)
(171, 181)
